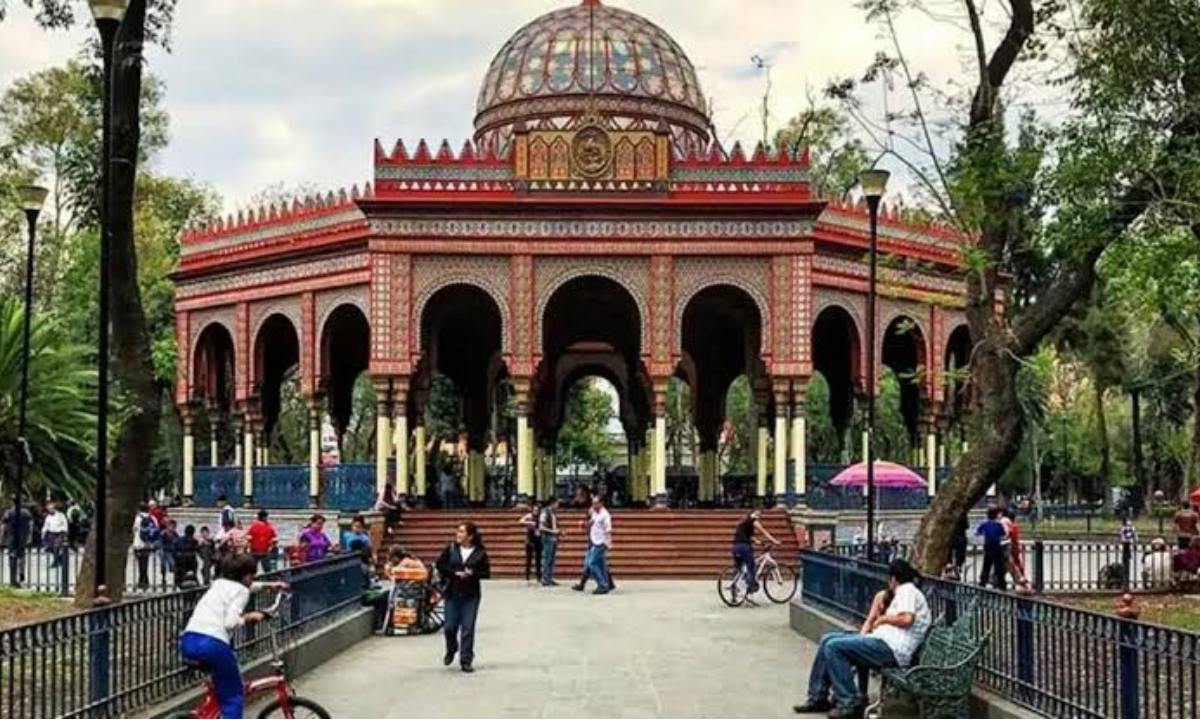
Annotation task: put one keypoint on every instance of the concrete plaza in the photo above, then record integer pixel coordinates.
(652, 649)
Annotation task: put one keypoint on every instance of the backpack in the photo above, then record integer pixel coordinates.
(148, 530)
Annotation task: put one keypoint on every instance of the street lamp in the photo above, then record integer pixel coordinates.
(874, 184)
(108, 15)
(32, 198)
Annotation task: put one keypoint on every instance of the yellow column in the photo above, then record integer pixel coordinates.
(401, 445)
(214, 447)
(382, 434)
(419, 460)
(525, 478)
(942, 454)
(800, 451)
(248, 457)
(931, 453)
(866, 439)
(764, 440)
(189, 456)
(658, 484)
(781, 455)
(314, 451)
(238, 443)
(550, 473)
(265, 456)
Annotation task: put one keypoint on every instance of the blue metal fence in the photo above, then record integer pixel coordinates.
(115, 661)
(213, 482)
(283, 487)
(349, 487)
(1055, 660)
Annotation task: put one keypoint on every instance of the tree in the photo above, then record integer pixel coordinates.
(837, 155)
(582, 441)
(61, 421)
(1110, 168)
(739, 439)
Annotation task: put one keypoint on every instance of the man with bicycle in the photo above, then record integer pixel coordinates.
(747, 531)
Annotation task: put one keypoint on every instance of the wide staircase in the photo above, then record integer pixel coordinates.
(647, 544)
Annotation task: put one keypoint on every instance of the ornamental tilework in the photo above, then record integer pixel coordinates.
(183, 364)
(430, 274)
(382, 308)
(424, 228)
(937, 320)
(275, 230)
(521, 292)
(631, 273)
(662, 293)
(199, 321)
(330, 300)
(308, 350)
(280, 274)
(782, 330)
(401, 309)
(803, 303)
(444, 173)
(750, 274)
(892, 276)
(242, 351)
(290, 308)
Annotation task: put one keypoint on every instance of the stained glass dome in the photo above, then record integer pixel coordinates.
(592, 58)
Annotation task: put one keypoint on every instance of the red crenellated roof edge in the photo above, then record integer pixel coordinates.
(308, 208)
(471, 155)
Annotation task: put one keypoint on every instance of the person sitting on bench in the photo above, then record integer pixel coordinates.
(890, 637)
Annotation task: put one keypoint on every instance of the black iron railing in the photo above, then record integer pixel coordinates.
(114, 661)
(1053, 659)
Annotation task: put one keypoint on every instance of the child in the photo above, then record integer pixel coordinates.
(222, 610)
(995, 559)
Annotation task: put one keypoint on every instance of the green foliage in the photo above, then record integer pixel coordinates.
(838, 157)
(443, 416)
(824, 444)
(582, 441)
(61, 422)
(740, 436)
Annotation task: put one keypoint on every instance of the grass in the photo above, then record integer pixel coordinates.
(1177, 611)
(20, 607)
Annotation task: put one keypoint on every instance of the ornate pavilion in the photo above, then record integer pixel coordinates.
(592, 227)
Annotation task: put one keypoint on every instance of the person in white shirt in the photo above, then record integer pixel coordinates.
(890, 637)
(54, 534)
(1156, 566)
(599, 542)
(206, 639)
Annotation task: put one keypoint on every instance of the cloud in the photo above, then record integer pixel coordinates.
(295, 91)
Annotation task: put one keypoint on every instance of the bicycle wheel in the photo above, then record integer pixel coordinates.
(435, 617)
(731, 586)
(780, 584)
(300, 708)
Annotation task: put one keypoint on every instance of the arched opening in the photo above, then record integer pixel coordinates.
(277, 385)
(461, 343)
(592, 310)
(837, 359)
(904, 353)
(213, 387)
(957, 367)
(345, 357)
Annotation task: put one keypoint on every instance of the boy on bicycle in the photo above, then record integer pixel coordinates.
(748, 529)
(206, 642)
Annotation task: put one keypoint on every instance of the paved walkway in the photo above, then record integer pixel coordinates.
(652, 649)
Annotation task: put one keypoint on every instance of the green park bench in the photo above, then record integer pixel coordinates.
(942, 676)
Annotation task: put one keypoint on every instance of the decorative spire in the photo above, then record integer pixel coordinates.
(591, 3)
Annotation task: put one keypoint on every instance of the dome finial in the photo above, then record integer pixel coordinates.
(591, 3)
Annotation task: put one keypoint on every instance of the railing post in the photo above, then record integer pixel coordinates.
(99, 655)
(1039, 567)
(1130, 691)
(64, 571)
(1025, 651)
(1126, 563)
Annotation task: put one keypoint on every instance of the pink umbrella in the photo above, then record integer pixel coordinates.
(887, 475)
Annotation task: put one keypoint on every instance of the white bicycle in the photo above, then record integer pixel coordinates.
(779, 582)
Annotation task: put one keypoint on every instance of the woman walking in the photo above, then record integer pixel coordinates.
(462, 565)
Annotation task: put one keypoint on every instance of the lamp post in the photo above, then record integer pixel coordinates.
(108, 15)
(32, 198)
(874, 184)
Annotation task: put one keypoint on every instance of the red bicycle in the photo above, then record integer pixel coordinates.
(286, 704)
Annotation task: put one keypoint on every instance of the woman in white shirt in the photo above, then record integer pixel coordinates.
(206, 642)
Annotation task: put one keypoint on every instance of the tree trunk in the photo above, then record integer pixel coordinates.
(1105, 449)
(134, 370)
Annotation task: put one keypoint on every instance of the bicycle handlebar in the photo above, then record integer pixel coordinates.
(272, 612)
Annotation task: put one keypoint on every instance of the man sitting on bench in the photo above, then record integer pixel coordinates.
(890, 637)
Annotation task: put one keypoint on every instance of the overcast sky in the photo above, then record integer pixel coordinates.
(295, 91)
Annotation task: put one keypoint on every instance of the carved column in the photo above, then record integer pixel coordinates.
(526, 478)
(248, 454)
(314, 449)
(799, 440)
(419, 441)
(383, 396)
(187, 417)
(658, 478)
(781, 444)
(401, 435)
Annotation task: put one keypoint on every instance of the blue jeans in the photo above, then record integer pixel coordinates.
(743, 557)
(549, 555)
(218, 659)
(838, 657)
(460, 627)
(597, 566)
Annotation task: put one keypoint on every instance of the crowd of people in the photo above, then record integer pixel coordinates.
(49, 528)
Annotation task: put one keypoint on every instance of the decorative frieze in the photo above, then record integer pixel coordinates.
(281, 274)
(509, 228)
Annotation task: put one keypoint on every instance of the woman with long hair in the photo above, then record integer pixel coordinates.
(462, 565)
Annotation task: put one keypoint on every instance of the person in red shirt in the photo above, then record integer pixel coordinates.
(263, 538)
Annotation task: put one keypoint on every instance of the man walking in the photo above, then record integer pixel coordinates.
(262, 538)
(548, 522)
(599, 542)
(54, 535)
